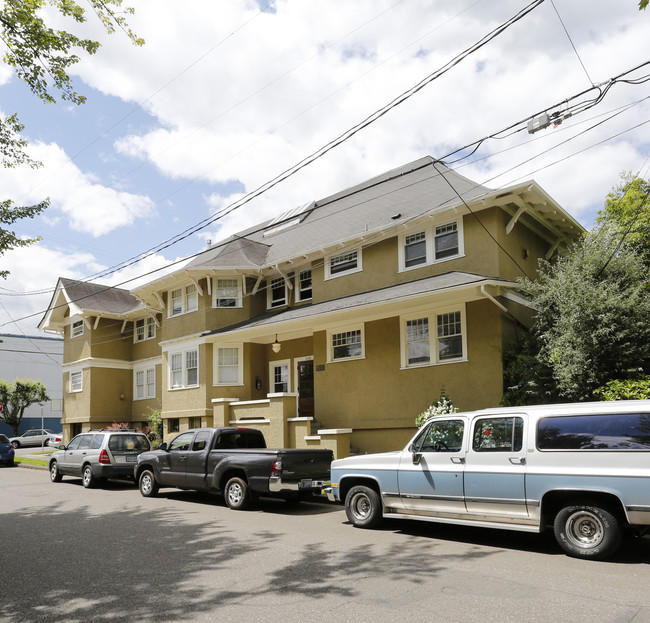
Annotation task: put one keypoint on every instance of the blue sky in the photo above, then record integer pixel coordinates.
(224, 96)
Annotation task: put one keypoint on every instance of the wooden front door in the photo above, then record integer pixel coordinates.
(306, 388)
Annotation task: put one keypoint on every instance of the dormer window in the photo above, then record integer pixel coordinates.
(432, 244)
(227, 293)
(343, 264)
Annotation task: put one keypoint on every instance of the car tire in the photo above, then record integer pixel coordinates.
(55, 474)
(584, 530)
(147, 484)
(237, 494)
(87, 477)
(363, 507)
(16, 444)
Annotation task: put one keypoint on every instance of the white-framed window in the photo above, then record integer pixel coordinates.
(184, 369)
(431, 244)
(345, 344)
(76, 381)
(277, 293)
(227, 292)
(343, 264)
(280, 381)
(77, 328)
(228, 364)
(303, 285)
(183, 300)
(145, 329)
(434, 338)
(144, 383)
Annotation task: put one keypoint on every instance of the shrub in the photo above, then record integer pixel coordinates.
(442, 407)
(620, 389)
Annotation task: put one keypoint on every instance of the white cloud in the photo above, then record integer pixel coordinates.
(88, 206)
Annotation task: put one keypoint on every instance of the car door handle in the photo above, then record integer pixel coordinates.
(458, 459)
(517, 460)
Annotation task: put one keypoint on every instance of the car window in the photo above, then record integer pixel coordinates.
(74, 444)
(226, 441)
(3, 439)
(441, 436)
(97, 442)
(85, 442)
(201, 441)
(499, 434)
(182, 442)
(124, 442)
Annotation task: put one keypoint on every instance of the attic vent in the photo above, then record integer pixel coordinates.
(288, 219)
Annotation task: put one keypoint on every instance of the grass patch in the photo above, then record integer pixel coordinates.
(27, 461)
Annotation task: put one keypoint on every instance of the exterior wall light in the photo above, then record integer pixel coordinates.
(276, 346)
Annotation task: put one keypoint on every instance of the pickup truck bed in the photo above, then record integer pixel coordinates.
(235, 462)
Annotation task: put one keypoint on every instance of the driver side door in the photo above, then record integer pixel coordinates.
(430, 476)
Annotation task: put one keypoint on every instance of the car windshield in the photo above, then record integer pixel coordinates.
(3, 439)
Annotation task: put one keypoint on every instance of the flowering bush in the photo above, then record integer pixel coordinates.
(442, 407)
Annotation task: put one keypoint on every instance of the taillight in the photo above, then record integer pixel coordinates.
(277, 467)
(104, 458)
(11, 446)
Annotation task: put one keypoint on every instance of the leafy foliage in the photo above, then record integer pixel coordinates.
(442, 407)
(593, 307)
(627, 207)
(17, 396)
(618, 389)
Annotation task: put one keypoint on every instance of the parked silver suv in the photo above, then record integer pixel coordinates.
(99, 454)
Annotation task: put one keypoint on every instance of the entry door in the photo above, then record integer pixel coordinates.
(306, 388)
(495, 469)
(431, 476)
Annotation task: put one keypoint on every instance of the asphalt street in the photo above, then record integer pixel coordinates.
(71, 554)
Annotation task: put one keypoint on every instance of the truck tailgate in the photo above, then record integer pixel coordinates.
(299, 464)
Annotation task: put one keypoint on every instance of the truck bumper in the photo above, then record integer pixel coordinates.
(329, 492)
(277, 485)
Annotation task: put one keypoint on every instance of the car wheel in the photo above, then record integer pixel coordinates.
(87, 477)
(147, 484)
(587, 531)
(55, 474)
(237, 494)
(363, 507)
(16, 444)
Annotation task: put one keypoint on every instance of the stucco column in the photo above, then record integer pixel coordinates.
(282, 407)
(221, 411)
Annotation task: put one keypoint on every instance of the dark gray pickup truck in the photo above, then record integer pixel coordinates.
(235, 462)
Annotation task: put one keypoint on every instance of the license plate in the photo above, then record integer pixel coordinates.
(131, 459)
(308, 483)
(305, 483)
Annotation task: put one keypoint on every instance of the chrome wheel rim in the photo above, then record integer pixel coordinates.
(145, 484)
(361, 506)
(235, 493)
(585, 529)
(88, 474)
(53, 471)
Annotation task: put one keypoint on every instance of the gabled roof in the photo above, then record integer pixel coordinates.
(84, 298)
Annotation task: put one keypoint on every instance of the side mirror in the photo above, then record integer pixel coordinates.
(63, 447)
(416, 456)
(163, 446)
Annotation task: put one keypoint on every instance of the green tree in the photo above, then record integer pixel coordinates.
(42, 56)
(593, 318)
(627, 207)
(643, 4)
(16, 397)
(442, 407)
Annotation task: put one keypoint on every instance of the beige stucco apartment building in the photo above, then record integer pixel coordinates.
(332, 325)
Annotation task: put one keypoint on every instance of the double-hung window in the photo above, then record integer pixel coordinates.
(343, 264)
(277, 293)
(183, 300)
(145, 329)
(77, 328)
(348, 344)
(434, 243)
(303, 285)
(228, 365)
(227, 293)
(434, 338)
(184, 369)
(145, 383)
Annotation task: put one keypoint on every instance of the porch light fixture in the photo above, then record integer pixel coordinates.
(276, 346)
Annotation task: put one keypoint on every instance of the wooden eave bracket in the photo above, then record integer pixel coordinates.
(513, 221)
(552, 250)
